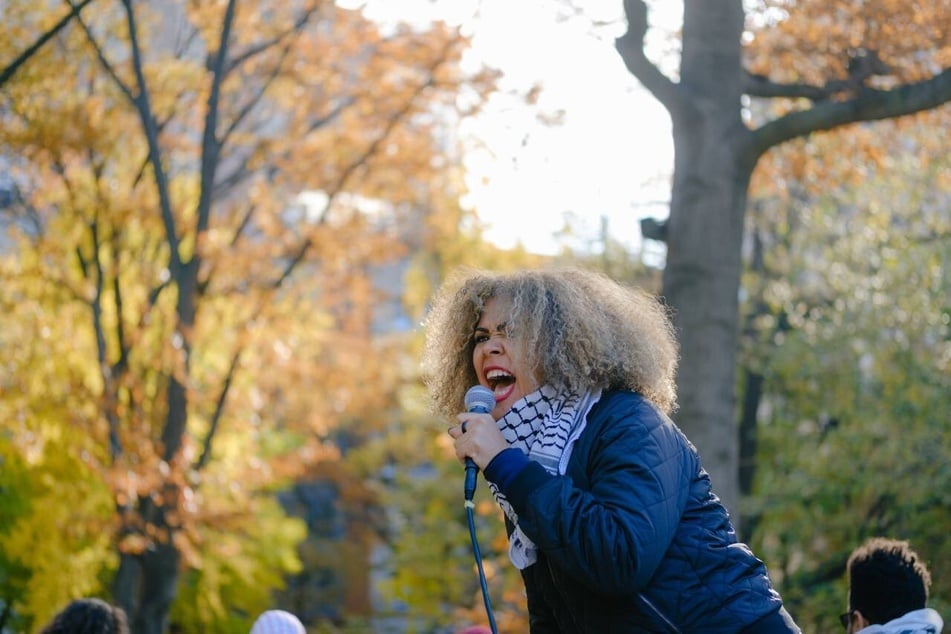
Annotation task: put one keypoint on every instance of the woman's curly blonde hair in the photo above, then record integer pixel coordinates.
(580, 329)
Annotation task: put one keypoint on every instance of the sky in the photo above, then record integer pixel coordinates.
(610, 157)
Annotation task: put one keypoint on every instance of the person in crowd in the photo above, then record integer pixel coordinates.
(888, 590)
(277, 622)
(88, 616)
(610, 515)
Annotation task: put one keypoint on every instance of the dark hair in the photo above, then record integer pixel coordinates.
(886, 580)
(88, 616)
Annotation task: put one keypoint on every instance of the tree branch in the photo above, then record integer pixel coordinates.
(631, 48)
(243, 224)
(349, 170)
(247, 108)
(260, 47)
(869, 105)
(106, 64)
(219, 410)
(210, 146)
(31, 50)
(143, 106)
(862, 65)
(761, 86)
(256, 98)
(96, 306)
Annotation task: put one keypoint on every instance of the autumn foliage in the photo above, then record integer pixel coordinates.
(205, 198)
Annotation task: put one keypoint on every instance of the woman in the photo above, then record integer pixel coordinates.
(610, 515)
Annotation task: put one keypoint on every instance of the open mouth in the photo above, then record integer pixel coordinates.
(499, 379)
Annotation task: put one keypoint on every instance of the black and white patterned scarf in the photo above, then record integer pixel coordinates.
(545, 425)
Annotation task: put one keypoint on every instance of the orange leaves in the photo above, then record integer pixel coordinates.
(813, 42)
(292, 217)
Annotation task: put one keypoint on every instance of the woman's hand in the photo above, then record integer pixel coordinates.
(477, 436)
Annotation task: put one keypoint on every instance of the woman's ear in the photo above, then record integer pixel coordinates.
(859, 622)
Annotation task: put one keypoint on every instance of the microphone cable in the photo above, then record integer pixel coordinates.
(477, 554)
(478, 399)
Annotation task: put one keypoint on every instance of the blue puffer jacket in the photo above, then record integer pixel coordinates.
(632, 539)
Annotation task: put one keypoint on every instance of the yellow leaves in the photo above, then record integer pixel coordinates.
(284, 363)
(239, 564)
(61, 539)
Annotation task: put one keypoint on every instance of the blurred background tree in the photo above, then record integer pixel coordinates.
(203, 198)
(846, 357)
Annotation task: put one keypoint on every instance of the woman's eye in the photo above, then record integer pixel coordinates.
(480, 338)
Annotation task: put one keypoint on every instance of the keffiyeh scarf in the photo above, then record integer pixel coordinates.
(545, 425)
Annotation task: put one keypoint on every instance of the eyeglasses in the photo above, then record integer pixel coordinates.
(845, 618)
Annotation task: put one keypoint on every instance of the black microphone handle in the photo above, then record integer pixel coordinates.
(472, 473)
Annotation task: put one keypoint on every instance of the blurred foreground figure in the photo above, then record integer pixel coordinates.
(888, 590)
(88, 616)
(277, 622)
(611, 517)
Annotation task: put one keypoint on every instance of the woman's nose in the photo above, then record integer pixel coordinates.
(494, 345)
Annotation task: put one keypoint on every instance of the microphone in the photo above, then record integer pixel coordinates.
(479, 399)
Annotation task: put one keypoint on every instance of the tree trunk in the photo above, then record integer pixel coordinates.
(701, 283)
(145, 587)
(146, 582)
(704, 236)
(749, 441)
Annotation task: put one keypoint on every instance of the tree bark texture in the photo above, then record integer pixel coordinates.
(705, 227)
(715, 153)
(145, 586)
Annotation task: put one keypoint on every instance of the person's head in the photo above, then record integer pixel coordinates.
(887, 579)
(568, 328)
(88, 616)
(277, 622)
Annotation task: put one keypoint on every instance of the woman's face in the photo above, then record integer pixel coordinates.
(499, 362)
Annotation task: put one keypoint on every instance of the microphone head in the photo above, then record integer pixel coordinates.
(480, 399)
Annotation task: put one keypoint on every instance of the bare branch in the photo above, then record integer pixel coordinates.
(240, 172)
(219, 410)
(210, 145)
(105, 63)
(248, 107)
(863, 64)
(143, 105)
(31, 50)
(869, 105)
(96, 306)
(264, 45)
(761, 86)
(631, 48)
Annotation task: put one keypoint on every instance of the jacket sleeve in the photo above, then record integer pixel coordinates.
(612, 534)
